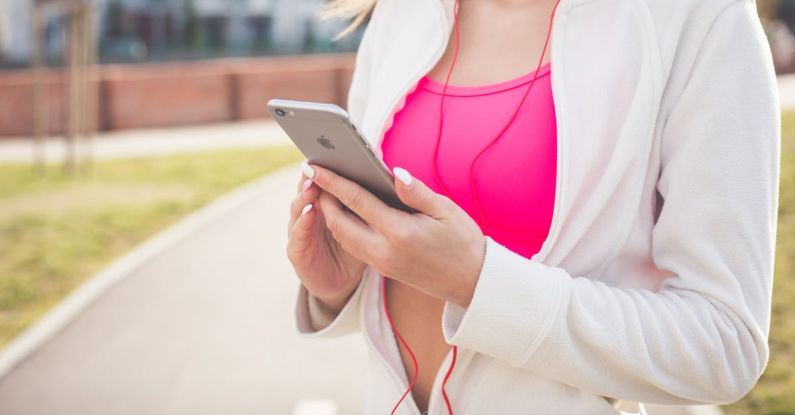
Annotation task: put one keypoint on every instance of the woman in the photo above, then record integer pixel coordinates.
(595, 227)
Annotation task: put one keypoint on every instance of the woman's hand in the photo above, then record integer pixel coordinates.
(324, 268)
(439, 250)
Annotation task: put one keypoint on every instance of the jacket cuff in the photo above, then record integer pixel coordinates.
(313, 319)
(319, 315)
(512, 309)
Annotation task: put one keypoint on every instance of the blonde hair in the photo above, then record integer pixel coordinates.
(356, 9)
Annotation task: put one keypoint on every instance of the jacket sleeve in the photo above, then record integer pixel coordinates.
(314, 320)
(702, 336)
(311, 318)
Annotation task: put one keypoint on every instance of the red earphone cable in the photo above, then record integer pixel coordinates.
(436, 175)
(472, 185)
(444, 382)
(414, 358)
(405, 344)
(473, 188)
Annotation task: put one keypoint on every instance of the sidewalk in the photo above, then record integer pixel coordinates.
(147, 143)
(201, 325)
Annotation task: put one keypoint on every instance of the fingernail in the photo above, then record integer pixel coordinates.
(403, 175)
(308, 170)
(306, 208)
(307, 184)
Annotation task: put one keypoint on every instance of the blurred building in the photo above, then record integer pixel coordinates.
(15, 32)
(153, 30)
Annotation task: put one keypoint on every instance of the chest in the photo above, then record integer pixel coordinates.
(489, 32)
(490, 148)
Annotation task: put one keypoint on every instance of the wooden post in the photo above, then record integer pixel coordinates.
(40, 104)
(92, 86)
(79, 93)
(72, 96)
(80, 45)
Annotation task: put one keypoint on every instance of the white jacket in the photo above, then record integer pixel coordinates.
(654, 284)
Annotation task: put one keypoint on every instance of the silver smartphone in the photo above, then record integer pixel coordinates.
(326, 136)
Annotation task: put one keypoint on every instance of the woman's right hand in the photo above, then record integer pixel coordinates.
(326, 270)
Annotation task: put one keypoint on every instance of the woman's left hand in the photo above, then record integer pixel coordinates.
(438, 250)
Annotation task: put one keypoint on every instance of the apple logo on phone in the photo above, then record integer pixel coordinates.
(325, 142)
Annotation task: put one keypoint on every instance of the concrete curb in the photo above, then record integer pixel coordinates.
(92, 289)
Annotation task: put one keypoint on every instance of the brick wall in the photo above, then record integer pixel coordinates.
(16, 103)
(182, 93)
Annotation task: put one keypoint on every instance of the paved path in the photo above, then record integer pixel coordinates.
(205, 327)
(145, 143)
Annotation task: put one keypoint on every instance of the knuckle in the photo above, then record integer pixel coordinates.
(333, 223)
(291, 254)
(402, 234)
(448, 204)
(355, 199)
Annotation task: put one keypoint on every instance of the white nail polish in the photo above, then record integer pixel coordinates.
(308, 170)
(307, 184)
(306, 208)
(403, 175)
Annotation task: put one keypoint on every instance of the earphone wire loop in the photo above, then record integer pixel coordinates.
(473, 188)
(472, 182)
(405, 344)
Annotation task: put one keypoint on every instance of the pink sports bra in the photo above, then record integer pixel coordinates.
(514, 178)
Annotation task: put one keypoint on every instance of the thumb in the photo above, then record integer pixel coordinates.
(416, 194)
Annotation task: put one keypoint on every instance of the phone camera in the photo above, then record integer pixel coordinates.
(280, 112)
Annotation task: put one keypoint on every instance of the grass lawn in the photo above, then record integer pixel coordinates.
(775, 392)
(57, 230)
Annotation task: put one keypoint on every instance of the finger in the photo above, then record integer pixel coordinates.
(416, 194)
(301, 179)
(301, 200)
(369, 207)
(299, 237)
(353, 234)
(302, 230)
